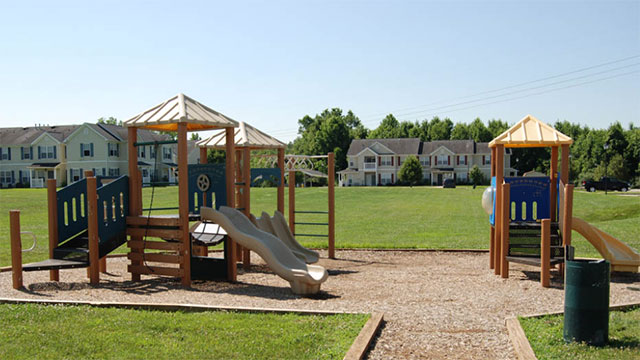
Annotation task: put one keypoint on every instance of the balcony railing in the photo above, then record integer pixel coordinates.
(369, 166)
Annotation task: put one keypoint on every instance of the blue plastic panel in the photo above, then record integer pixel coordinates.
(271, 174)
(527, 192)
(217, 190)
(113, 208)
(492, 217)
(71, 202)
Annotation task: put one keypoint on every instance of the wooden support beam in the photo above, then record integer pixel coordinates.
(135, 190)
(545, 253)
(155, 257)
(92, 229)
(281, 186)
(553, 176)
(170, 234)
(16, 249)
(183, 201)
(229, 163)
(246, 171)
(564, 172)
(332, 204)
(239, 194)
(155, 245)
(153, 221)
(54, 275)
(499, 204)
(506, 220)
(103, 265)
(292, 201)
(568, 215)
(157, 270)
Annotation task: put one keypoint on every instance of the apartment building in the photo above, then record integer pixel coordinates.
(31, 155)
(374, 162)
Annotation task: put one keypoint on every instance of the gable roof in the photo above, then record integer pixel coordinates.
(398, 146)
(180, 109)
(26, 135)
(531, 132)
(245, 136)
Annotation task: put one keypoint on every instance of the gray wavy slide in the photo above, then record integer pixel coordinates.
(277, 225)
(304, 279)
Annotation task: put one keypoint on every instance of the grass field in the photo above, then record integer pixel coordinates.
(545, 336)
(367, 217)
(32, 331)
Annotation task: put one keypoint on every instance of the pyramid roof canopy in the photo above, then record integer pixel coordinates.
(180, 109)
(531, 132)
(246, 136)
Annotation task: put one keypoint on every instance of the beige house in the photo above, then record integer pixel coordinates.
(31, 155)
(377, 161)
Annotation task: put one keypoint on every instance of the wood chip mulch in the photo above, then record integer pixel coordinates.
(437, 305)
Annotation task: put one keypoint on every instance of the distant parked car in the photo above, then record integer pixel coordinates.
(448, 184)
(609, 182)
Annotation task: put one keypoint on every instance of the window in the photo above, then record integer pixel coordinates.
(443, 159)
(141, 151)
(5, 154)
(400, 160)
(351, 164)
(152, 152)
(76, 174)
(486, 160)
(5, 177)
(26, 153)
(114, 149)
(46, 152)
(385, 179)
(462, 177)
(462, 160)
(166, 153)
(114, 172)
(369, 159)
(424, 160)
(86, 150)
(385, 160)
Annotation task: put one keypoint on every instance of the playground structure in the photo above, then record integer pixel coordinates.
(531, 217)
(92, 217)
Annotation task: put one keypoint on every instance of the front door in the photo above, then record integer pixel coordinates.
(439, 182)
(50, 174)
(370, 179)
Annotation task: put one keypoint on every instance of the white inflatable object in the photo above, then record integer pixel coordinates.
(487, 199)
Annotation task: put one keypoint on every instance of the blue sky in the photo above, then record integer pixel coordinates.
(270, 63)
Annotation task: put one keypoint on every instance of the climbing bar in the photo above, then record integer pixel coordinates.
(311, 223)
(310, 212)
(163, 208)
(312, 235)
(155, 142)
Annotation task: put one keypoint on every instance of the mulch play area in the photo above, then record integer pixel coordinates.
(435, 304)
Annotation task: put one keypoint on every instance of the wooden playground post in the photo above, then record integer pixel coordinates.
(229, 166)
(506, 219)
(135, 192)
(92, 228)
(545, 249)
(499, 204)
(292, 201)
(54, 274)
(554, 179)
(246, 196)
(567, 215)
(492, 236)
(281, 185)
(16, 249)
(239, 190)
(183, 203)
(332, 204)
(564, 172)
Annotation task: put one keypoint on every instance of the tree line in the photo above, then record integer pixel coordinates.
(614, 151)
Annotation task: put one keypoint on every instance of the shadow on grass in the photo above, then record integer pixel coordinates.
(625, 342)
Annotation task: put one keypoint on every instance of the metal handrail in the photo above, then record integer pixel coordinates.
(34, 240)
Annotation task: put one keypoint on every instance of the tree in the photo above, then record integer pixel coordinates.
(195, 136)
(411, 171)
(460, 132)
(496, 127)
(216, 156)
(110, 121)
(479, 132)
(476, 176)
(389, 128)
(440, 129)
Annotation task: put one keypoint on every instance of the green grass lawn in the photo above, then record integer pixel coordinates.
(367, 217)
(545, 336)
(33, 331)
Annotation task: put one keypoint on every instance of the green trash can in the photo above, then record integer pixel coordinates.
(586, 302)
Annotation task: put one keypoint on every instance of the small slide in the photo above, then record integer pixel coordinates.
(277, 225)
(304, 279)
(619, 254)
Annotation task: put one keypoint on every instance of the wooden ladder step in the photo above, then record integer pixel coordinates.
(157, 220)
(155, 245)
(154, 257)
(174, 234)
(155, 270)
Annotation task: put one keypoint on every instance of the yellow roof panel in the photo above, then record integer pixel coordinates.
(531, 132)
